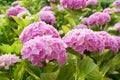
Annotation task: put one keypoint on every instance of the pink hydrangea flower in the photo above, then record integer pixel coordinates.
(52, 0)
(117, 10)
(38, 29)
(81, 26)
(109, 41)
(15, 3)
(14, 11)
(84, 21)
(116, 3)
(7, 60)
(118, 40)
(46, 8)
(98, 18)
(108, 10)
(47, 16)
(76, 4)
(44, 48)
(84, 39)
(117, 26)
(92, 2)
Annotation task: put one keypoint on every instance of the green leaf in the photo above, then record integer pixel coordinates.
(88, 70)
(65, 29)
(4, 78)
(49, 76)
(66, 72)
(19, 71)
(6, 48)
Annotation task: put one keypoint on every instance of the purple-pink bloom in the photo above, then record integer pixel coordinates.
(81, 26)
(98, 18)
(46, 8)
(92, 2)
(84, 21)
(76, 4)
(117, 26)
(84, 39)
(7, 60)
(109, 41)
(14, 11)
(15, 3)
(38, 29)
(44, 48)
(116, 3)
(47, 16)
(108, 10)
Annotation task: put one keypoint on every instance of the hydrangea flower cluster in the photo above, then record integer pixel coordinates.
(43, 48)
(108, 10)
(117, 26)
(80, 26)
(15, 11)
(52, 0)
(7, 60)
(98, 18)
(116, 3)
(76, 4)
(109, 41)
(85, 39)
(47, 15)
(15, 3)
(92, 2)
(38, 29)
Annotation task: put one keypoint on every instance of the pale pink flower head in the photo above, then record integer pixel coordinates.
(81, 26)
(8, 60)
(108, 10)
(109, 41)
(116, 3)
(98, 18)
(14, 11)
(15, 3)
(118, 40)
(117, 10)
(92, 2)
(76, 4)
(117, 26)
(52, 0)
(46, 8)
(84, 39)
(44, 48)
(38, 29)
(47, 16)
(84, 21)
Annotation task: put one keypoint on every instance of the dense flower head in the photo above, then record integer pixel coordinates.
(84, 39)
(108, 10)
(118, 40)
(44, 48)
(38, 29)
(15, 3)
(109, 41)
(84, 20)
(76, 4)
(98, 18)
(92, 2)
(14, 11)
(46, 8)
(116, 3)
(117, 10)
(7, 60)
(47, 16)
(52, 0)
(117, 26)
(81, 26)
